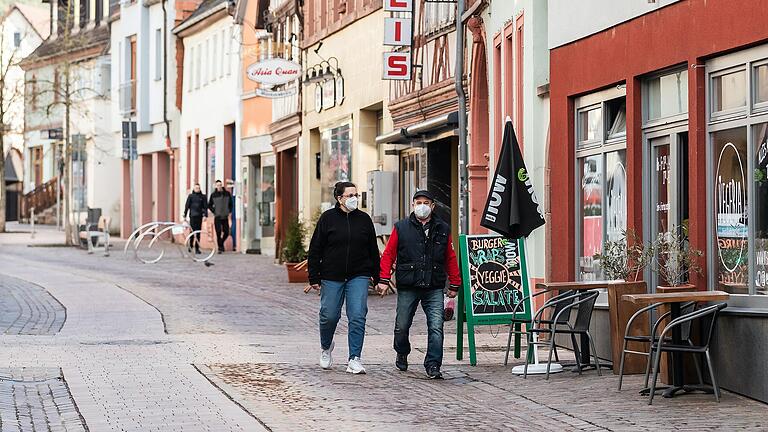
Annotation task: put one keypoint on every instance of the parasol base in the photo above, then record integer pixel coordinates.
(537, 369)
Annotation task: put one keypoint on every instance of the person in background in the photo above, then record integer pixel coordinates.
(197, 208)
(422, 247)
(220, 205)
(343, 258)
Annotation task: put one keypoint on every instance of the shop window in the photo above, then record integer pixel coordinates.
(602, 183)
(730, 199)
(729, 91)
(761, 84)
(739, 178)
(761, 208)
(666, 95)
(590, 123)
(336, 160)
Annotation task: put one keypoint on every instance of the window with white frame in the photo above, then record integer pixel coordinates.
(601, 195)
(205, 64)
(158, 54)
(215, 57)
(231, 49)
(738, 154)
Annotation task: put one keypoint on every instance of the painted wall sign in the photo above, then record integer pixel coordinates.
(274, 71)
(398, 5)
(397, 66)
(397, 31)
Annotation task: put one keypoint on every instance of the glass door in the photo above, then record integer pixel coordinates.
(669, 187)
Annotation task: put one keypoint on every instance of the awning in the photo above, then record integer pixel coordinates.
(420, 131)
(12, 165)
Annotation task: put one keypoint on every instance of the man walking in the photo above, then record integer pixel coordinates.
(197, 208)
(221, 206)
(421, 246)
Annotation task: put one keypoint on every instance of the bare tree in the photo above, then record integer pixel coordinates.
(11, 92)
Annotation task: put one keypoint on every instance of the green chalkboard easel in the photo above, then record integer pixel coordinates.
(495, 278)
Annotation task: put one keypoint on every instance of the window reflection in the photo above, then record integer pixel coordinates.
(761, 209)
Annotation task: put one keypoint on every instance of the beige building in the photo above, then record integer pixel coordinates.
(342, 100)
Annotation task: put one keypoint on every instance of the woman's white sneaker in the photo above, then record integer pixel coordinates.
(326, 359)
(355, 366)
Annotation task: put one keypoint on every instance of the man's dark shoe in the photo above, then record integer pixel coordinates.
(433, 372)
(402, 362)
(197, 251)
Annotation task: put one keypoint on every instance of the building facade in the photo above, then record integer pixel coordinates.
(147, 64)
(70, 71)
(210, 103)
(23, 27)
(342, 99)
(658, 126)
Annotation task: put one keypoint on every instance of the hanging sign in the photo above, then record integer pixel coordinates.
(275, 94)
(495, 279)
(329, 93)
(397, 32)
(274, 71)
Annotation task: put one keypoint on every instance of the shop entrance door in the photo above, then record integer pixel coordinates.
(669, 186)
(413, 176)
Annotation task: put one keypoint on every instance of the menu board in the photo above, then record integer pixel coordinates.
(495, 276)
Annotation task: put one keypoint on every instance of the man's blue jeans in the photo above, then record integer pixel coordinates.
(432, 304)
(332, 297)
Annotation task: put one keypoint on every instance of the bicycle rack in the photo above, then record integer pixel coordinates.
(154, 232)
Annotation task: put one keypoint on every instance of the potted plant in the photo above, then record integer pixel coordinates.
(673, 260)
(294, 254)
(623, 259)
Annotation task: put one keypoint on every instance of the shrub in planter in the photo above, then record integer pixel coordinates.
(293, 253)
(624, 258)
(673, 260)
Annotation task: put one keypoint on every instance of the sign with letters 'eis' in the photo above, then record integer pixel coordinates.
(398, 33)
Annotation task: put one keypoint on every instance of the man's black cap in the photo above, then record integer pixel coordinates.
(424, 193)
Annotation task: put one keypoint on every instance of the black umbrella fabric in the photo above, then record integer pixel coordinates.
(511, 209)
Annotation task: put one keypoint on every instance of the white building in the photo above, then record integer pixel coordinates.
(210, 102)
(72, 67)
(23, 28)
(145, 71)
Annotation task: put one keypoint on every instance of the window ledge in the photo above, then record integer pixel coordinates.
(745, 311)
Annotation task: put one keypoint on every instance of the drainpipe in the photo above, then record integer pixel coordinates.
(165, 79)
(463, 149)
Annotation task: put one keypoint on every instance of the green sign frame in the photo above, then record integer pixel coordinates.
(494, 274)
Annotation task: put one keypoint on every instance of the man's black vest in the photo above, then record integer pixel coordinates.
(420, 255)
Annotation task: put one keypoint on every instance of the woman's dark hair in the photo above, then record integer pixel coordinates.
(340, 187)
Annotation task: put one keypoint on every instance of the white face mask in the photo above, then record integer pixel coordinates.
(422, 211)
(351, 203)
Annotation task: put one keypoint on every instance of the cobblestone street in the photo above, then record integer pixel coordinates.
(108, 344)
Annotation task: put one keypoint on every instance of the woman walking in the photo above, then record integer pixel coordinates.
(343, 258)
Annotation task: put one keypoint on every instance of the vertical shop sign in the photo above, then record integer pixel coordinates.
(398, 33)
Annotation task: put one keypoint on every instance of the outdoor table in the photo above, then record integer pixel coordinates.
(675, 299)
(577, 286)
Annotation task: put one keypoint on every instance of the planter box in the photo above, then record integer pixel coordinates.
(619, 312)
(296, 276)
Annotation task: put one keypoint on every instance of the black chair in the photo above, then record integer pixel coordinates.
(558, 306)
(685, 308)
(662, 344)
(585, 301)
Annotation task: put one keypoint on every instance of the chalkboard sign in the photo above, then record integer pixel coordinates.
(495, 279)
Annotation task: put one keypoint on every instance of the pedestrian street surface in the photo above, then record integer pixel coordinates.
(94, 343)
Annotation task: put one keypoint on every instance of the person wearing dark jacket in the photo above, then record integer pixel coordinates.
(343, 258)
(220, 205)
(197, 208)
(422, 250)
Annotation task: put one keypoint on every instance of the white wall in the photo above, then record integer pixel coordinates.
(496, 17)
(14, 92)
(212, 103)
(571, 20)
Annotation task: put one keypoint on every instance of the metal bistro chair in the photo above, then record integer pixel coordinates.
(586, 303)
(558, 306)
(662, 346)
(685, 308)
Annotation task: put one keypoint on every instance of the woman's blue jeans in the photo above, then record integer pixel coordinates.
(332, 296)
